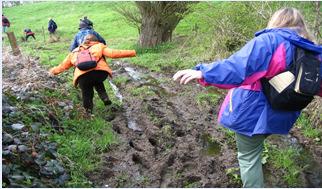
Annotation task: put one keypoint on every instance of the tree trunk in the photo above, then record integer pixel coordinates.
(158, 20)
(317, 21)
(151, 30)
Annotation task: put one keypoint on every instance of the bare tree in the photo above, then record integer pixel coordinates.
(155, 20)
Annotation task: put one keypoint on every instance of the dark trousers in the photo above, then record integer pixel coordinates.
(87, 82)
(32, 35)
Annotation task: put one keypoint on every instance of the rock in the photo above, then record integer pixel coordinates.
(7, 139)
(34, 154)
(17, 177)
(12, 148)
(5, 169)
(22, 148)
(61, 104)
(62, 179)
(8, 109)
(16, 141)
(35, 126)
(17, 126)
(25, 134)
(6, 153)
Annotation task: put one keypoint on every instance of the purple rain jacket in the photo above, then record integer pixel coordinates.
(245, 109)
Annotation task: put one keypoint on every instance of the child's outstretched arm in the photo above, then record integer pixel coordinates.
(65, 65)
(114, 53)
(187, 75)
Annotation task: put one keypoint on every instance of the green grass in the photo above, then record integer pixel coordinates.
(82, 146)
(142, 92)
(287, 160)
(207, 98)
(307, 128)
(120, 80)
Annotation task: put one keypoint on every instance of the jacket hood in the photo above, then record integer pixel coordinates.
(294, 38)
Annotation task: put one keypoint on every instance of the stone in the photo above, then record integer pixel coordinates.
(17, 126)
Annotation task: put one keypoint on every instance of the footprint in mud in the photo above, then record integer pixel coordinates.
(138, 159)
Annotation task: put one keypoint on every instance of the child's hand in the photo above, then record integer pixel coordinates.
(187, 75)
(50, 74)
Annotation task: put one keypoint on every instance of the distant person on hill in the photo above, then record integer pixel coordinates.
(5, 24)
(246, 109)
(29, 33)
(52, 26)
(94, 77)
(85, 28)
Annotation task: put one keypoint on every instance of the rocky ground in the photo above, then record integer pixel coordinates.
(28, 158)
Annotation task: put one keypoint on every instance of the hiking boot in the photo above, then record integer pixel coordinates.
(113, 108)
(110, 116)
(107, 102)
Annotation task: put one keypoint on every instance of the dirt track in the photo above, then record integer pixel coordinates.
(174, 143)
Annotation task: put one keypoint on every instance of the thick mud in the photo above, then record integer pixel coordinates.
(167, 139)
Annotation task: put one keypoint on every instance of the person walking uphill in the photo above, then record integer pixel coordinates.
(94, 77)
(85, 28)
(245, 109)
(52, 26)
(5, 24)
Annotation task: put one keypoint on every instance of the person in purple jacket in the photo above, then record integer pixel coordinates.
(245, 109)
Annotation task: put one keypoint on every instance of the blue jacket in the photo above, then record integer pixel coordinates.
(245, 109)
(80, 37)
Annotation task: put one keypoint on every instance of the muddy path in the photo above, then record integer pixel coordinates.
(167, 139)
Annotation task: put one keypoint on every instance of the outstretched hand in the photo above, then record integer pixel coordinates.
(50, 74)
(187, 75)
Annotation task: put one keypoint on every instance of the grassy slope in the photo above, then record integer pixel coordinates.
(189, 45)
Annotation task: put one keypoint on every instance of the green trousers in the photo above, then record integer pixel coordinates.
(250, 160)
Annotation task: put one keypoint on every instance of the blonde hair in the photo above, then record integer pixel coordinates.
(290, 18)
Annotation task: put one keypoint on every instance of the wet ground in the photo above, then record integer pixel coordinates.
(170, 139)
(167, 139)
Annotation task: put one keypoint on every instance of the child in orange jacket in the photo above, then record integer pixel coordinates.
(92, 78)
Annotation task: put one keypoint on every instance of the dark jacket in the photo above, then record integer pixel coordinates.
(5, 21)
(52, 26)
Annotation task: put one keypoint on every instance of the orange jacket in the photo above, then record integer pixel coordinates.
(97, 50)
